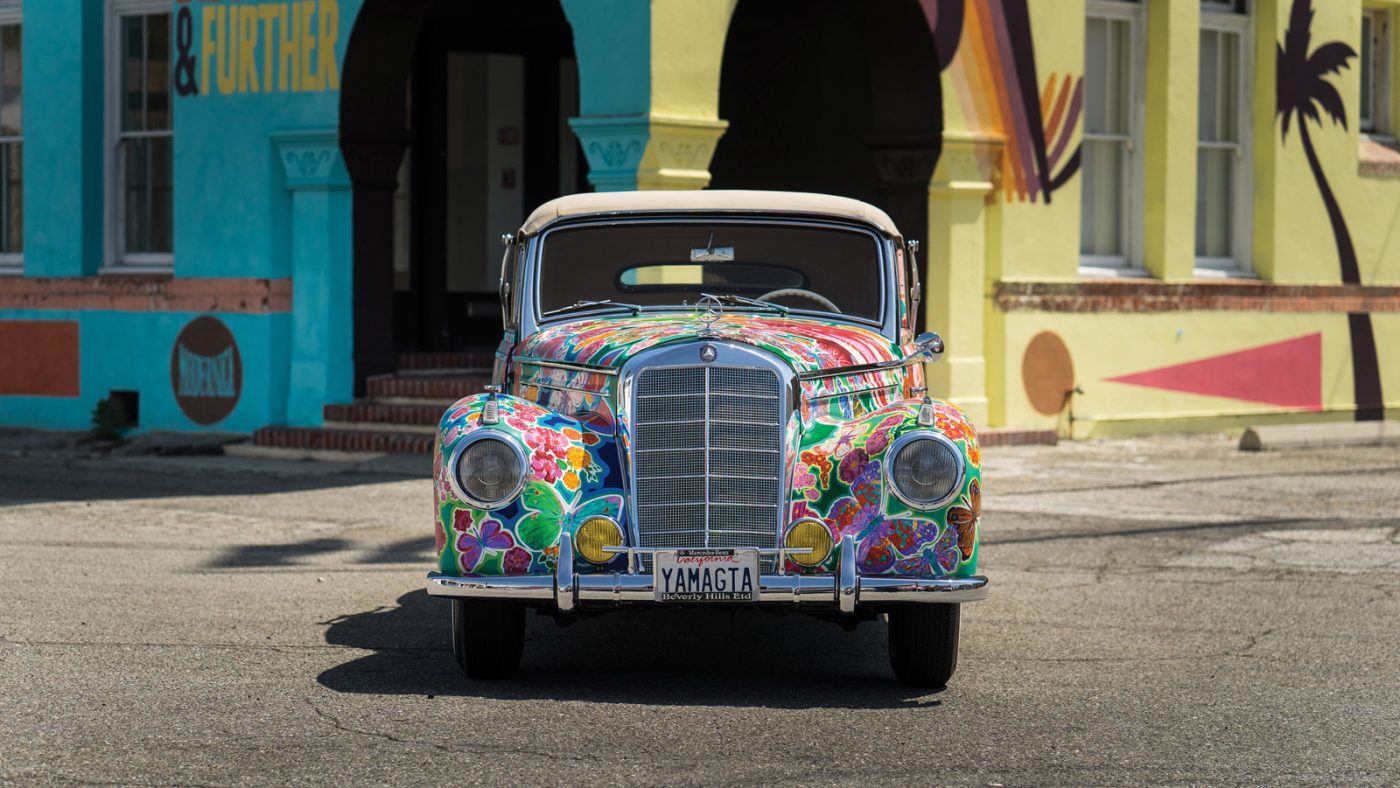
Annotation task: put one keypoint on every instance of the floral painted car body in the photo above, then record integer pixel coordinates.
(709, 398)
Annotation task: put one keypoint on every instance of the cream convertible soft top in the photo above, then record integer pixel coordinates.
(706, 200)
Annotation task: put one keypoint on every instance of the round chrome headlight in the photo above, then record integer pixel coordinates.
(489, 470)
(925, 470)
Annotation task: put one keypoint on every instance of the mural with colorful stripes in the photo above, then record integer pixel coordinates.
(987, 51)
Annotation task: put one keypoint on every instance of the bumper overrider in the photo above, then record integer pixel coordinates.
(843, 591)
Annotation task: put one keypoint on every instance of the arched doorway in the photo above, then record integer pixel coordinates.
(453, 126)
(832, 96)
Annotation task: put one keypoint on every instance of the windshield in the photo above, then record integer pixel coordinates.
(794, 267)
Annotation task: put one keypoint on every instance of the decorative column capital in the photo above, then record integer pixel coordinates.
(311, 159)
(904, 160)
(613, 145)
(967, 165)
(647, 151)
(679, 152)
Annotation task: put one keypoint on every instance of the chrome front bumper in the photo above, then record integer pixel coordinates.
(842, 591)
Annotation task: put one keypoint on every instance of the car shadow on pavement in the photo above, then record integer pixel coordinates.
(656, 657)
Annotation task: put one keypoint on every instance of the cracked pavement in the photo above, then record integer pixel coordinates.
(1164, 610)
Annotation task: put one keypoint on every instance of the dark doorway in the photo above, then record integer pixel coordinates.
(832, 96)
(454, 126)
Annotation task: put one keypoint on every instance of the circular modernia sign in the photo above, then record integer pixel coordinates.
(206, 372)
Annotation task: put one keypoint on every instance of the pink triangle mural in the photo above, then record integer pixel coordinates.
(1288, 374)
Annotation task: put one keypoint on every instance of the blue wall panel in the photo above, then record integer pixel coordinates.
(132, 350)
(63, 144)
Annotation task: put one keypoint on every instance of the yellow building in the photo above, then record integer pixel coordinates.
(1144, 215)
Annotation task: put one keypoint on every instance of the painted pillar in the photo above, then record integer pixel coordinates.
(648, 89)
(957, 261)
(1169, 162)
(612, 41)
(63, 137)
(687, 45)
(322, 368)
(1270, 21)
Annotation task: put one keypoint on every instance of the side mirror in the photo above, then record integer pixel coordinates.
(928, 346)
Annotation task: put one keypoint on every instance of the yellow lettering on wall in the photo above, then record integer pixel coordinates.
(289, 72)
(309, 79)
(330, 32)
(298, 39)
(267, 13)
(227, 60)
(206, 50)
(247, 46)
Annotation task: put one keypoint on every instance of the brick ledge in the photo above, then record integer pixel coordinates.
(147, 293)
(1231, 295)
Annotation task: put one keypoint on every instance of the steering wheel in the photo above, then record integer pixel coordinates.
(799, 292)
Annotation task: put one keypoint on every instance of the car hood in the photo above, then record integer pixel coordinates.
(808, 345)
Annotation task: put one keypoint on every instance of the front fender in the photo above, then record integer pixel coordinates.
(839, 478)
(573, 474)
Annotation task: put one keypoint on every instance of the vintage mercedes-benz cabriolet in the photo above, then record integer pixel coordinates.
(708, 398)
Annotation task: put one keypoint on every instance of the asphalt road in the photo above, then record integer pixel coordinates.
(1163, 611)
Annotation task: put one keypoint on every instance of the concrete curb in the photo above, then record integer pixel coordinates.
(1331, 434)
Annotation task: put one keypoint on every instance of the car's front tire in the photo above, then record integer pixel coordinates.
(488, 637)
(924, 644)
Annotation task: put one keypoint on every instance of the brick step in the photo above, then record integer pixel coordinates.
(376, 441)
(380, 413)
(1013, 436)
(436, 387)
(471, 359)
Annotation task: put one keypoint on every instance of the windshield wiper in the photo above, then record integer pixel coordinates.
(636, 309)
(738, 299)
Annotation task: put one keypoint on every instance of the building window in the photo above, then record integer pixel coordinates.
(142, 123)
(1375, 72)
(1109, 226)
(11, 140)
(1223, 150)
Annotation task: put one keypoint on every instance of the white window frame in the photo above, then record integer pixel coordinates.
(12, 13)
(1131, 212)
(116, 259)
(1374, 120)
(1222, 17)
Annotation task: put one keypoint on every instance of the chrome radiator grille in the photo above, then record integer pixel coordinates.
(707, 456)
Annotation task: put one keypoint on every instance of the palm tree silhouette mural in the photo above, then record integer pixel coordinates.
(1303, 89)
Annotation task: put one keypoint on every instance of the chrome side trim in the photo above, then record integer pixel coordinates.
(856, 369)
(856, 393)
(539, 384)
(571, 367)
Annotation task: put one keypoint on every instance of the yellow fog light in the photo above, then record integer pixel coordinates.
(812, 535)
(595, 534)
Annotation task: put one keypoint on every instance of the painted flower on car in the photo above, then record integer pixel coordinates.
(478, 535)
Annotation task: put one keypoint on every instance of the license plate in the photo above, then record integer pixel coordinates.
(706, 575)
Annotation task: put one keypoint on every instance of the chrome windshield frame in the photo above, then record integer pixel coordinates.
(530, 318)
